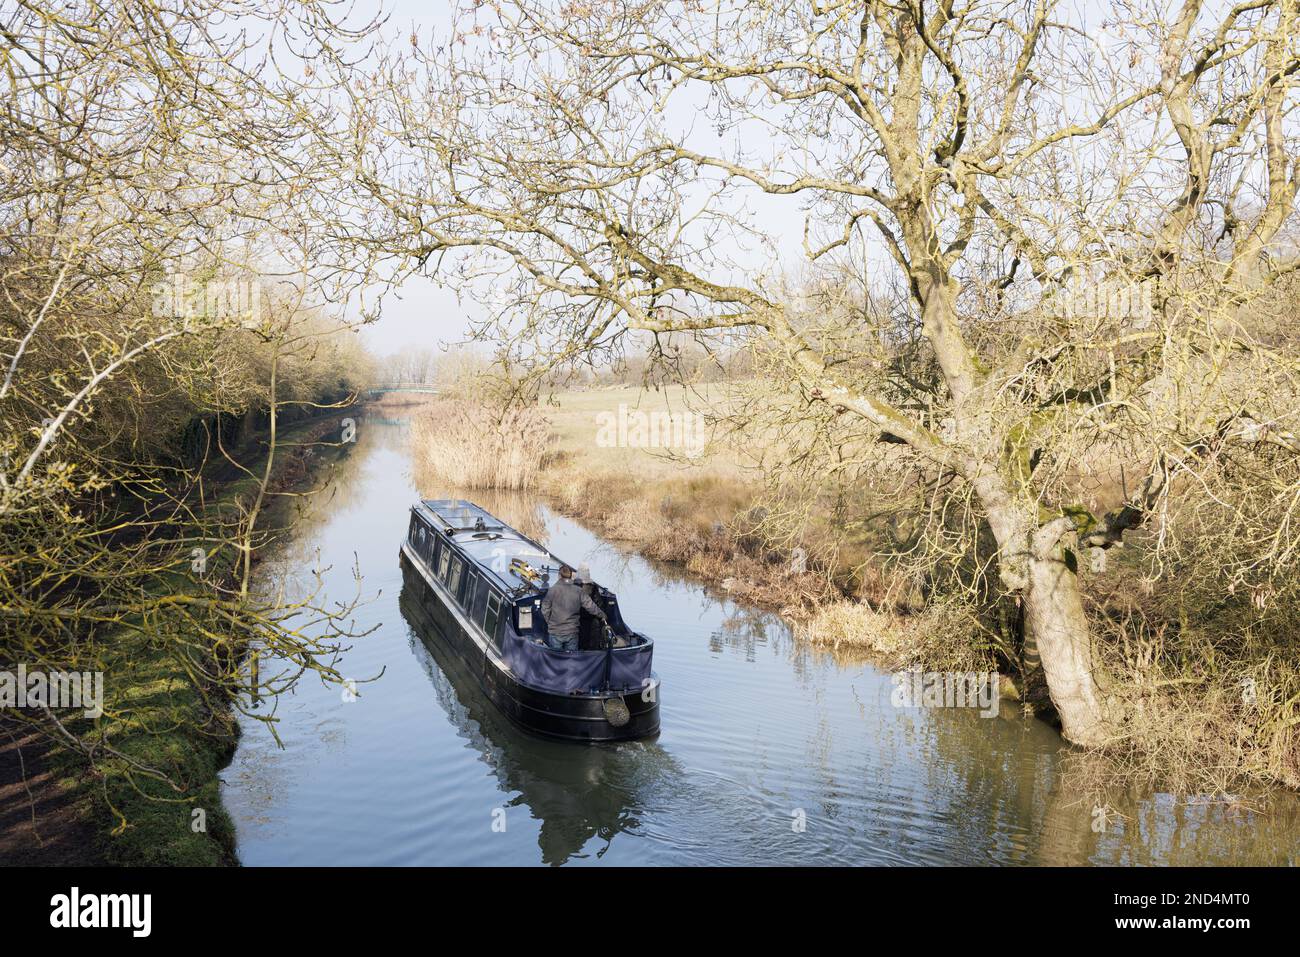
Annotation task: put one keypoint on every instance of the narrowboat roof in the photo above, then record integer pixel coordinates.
(491, 546)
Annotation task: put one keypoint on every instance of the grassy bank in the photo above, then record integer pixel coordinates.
(160, 715)
(703, 511)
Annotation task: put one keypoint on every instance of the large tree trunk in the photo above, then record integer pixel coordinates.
(1035, 563)
(1055, 619)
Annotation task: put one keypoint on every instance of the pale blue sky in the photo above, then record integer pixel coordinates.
(420, 313)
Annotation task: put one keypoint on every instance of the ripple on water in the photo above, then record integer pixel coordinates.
(771, 753)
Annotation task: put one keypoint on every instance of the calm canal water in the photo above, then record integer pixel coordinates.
(760, 736)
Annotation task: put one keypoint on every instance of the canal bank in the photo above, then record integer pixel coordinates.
(53, 811)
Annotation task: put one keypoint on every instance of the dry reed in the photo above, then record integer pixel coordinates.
(476, 445)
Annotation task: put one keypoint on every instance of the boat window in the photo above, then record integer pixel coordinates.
(453, 582)
(492, 615)
(444, 555)
(476, 604)
(421, 537)
(466, 597)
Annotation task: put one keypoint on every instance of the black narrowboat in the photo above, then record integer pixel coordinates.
(480, 586)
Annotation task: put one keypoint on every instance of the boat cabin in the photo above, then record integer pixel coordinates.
(490, 581)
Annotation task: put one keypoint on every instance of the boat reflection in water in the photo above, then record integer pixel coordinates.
(577, 794)
(483, 591)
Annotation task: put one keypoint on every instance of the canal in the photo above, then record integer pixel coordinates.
(770, 752)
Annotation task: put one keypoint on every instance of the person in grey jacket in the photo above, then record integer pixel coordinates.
(562, 608)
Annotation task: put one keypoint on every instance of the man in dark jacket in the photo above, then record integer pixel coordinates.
(562, 608)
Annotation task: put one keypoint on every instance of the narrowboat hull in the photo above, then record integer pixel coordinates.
(572, 717)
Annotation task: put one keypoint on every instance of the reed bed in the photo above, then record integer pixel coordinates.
(473, 444)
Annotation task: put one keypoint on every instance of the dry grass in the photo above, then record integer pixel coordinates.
(944, 636)
(1208, 690)
(690, 518)
(576, 418)
(691, 511)
(1191, 726)
(477, 446)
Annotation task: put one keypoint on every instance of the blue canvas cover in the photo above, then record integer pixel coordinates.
(542, 667)
(630, 667)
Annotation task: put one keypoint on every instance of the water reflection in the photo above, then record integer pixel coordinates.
(521, 510)
(576, 793)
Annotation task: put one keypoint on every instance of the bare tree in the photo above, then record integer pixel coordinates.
(1080, 215)
(153, 283)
